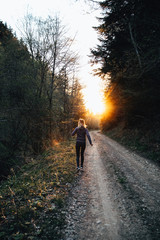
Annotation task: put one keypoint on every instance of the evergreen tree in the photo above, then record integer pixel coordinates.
(129, 54)
(30, 81)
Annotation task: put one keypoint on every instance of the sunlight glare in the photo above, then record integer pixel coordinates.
(93, 97)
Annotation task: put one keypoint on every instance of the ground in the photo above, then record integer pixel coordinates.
(116, 197)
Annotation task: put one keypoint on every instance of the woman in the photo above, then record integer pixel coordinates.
(81, 132)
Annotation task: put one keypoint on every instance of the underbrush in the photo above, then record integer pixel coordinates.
(32, 200)
(144, 140)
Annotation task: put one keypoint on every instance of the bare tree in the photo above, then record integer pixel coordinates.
(47, 42)
(50, 50)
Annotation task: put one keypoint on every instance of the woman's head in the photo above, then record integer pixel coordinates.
(81, 123)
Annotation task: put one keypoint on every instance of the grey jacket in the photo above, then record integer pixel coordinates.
(81, 134)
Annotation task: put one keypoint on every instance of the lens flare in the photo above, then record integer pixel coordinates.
(93, 97)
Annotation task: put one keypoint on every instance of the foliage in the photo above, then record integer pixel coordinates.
(40, 96)
(144, 142)
(128, 55)
(92, 120)
(31, 201)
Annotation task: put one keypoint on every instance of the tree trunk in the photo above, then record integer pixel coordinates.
(135, 46)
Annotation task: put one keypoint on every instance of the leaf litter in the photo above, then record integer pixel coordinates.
(32, 200)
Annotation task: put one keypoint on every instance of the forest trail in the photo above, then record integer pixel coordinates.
(116, 197)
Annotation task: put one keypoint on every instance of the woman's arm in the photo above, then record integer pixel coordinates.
(88, 136)
(74, 132)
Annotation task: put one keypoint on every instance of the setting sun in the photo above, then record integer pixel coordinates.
(93, 97)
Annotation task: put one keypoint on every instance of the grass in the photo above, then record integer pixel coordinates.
(32, 200)
(144, 142)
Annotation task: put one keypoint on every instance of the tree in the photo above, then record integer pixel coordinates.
(16, 91)
(51, 48)
(128, 53)
(31, 115)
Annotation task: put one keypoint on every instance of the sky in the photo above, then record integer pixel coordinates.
(79, 19)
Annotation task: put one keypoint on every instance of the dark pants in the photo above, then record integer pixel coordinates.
(80, 147)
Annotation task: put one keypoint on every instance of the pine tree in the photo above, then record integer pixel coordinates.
(129, 54)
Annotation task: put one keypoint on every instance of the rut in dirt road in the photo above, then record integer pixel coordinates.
(117, 197)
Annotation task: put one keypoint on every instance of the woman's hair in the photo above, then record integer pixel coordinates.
(81, 123)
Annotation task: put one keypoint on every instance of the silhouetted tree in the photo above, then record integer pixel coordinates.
(36, 94)
(129, 54)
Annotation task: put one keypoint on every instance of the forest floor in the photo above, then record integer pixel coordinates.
(32, 198)
(117, 197)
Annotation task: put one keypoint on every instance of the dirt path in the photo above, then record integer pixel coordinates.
(116, 197)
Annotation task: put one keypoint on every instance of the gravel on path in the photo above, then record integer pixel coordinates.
(117, 197)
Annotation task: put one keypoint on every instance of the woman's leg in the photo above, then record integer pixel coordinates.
(77, 153)
(83, 146)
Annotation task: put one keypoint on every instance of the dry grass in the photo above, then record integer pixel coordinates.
(32, 200)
